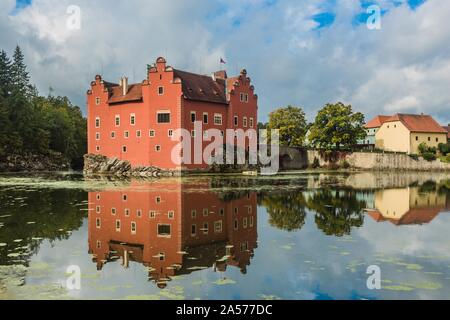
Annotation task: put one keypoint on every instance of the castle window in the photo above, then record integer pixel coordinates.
(113, 134)
(241, 97)
(162, 256)
(193, 230)
(152, 214)
(205, 212)
(97, 122)
(133, 227)
(192, 116)
(132, 119)
(171, 214)
(218, 226)
(437, 139)
(429, 138)
(97, 136)
(117, 225)
(127, 212)
(117, 120)
(218, 119)
(97, 209)
(158, 199)
(113, 211)
(417, 138)
(124, 197)
(193, 133)
(205, 228)
(170, 132)
(251, 122)
(245, 122)
(126, 134)
(158, 148)
(98, 223)
(97, 101)
(139, 213)
(236, 224)
(222, 211)
(151, 133)
(160, 91)
(98, 197)
(124, 149)
(97, 148)
(163, 117)
(205, 118)
(138, 133)
(246, 97)
(164, 230)
(236, 122)
(193, 214)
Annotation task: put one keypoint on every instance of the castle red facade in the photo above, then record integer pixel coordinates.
(136, 122)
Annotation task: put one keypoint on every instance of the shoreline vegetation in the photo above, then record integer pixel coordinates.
(36, 132)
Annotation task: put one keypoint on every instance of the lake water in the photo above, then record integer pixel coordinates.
(294, 236)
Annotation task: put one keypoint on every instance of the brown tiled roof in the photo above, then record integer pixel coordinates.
(413, 216)
(376, 122)
(418, 122)
(448, 131)
(201, 88)
(134, 93)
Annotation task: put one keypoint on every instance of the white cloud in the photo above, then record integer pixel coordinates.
(404, 67)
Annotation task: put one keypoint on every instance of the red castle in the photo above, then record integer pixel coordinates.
(136, 122)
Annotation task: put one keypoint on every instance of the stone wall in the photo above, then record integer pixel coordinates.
(376, 161)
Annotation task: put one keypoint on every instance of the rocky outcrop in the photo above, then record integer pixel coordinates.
(95, 164)
(34, 162)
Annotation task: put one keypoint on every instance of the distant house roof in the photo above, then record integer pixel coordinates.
(448, 131)
(413, 216)
(418, 123)
(201, 87)
(134, 93)
(376, 122)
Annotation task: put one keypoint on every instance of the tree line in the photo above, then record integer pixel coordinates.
(35, 124)
(336, 126)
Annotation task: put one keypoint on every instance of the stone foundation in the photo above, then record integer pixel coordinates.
(101, 165)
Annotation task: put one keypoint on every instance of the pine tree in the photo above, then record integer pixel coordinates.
(5, 74)
(19, 73)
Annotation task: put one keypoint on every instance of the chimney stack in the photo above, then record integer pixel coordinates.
(124, 85)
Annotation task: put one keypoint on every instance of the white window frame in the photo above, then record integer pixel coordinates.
(251, 122)
(207, 118)
(112, 135)
(156, 148)
(97, 122)
(218, 116)
(97, 136)
(244, 122)
(236, 121)
(193, 113)
(160, 92)
(170, 133)
(117, 117)
(133, 223)
(97, 101)
(132, 119)
(138, 134)
(152, 133)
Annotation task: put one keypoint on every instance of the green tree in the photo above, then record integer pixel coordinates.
(337, 125)
(5, 74)
(20, 77)
(291, 123)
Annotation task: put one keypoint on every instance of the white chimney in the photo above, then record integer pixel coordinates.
(124, 85)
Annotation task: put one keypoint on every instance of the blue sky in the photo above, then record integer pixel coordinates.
(305, 53)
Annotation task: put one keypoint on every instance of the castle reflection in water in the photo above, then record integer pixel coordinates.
(171, 230)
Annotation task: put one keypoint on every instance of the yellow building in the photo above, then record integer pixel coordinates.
(405, 132)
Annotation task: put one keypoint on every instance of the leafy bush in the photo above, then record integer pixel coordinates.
(414, 156)
(444, 148)
(446, 159)
(429, 156)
